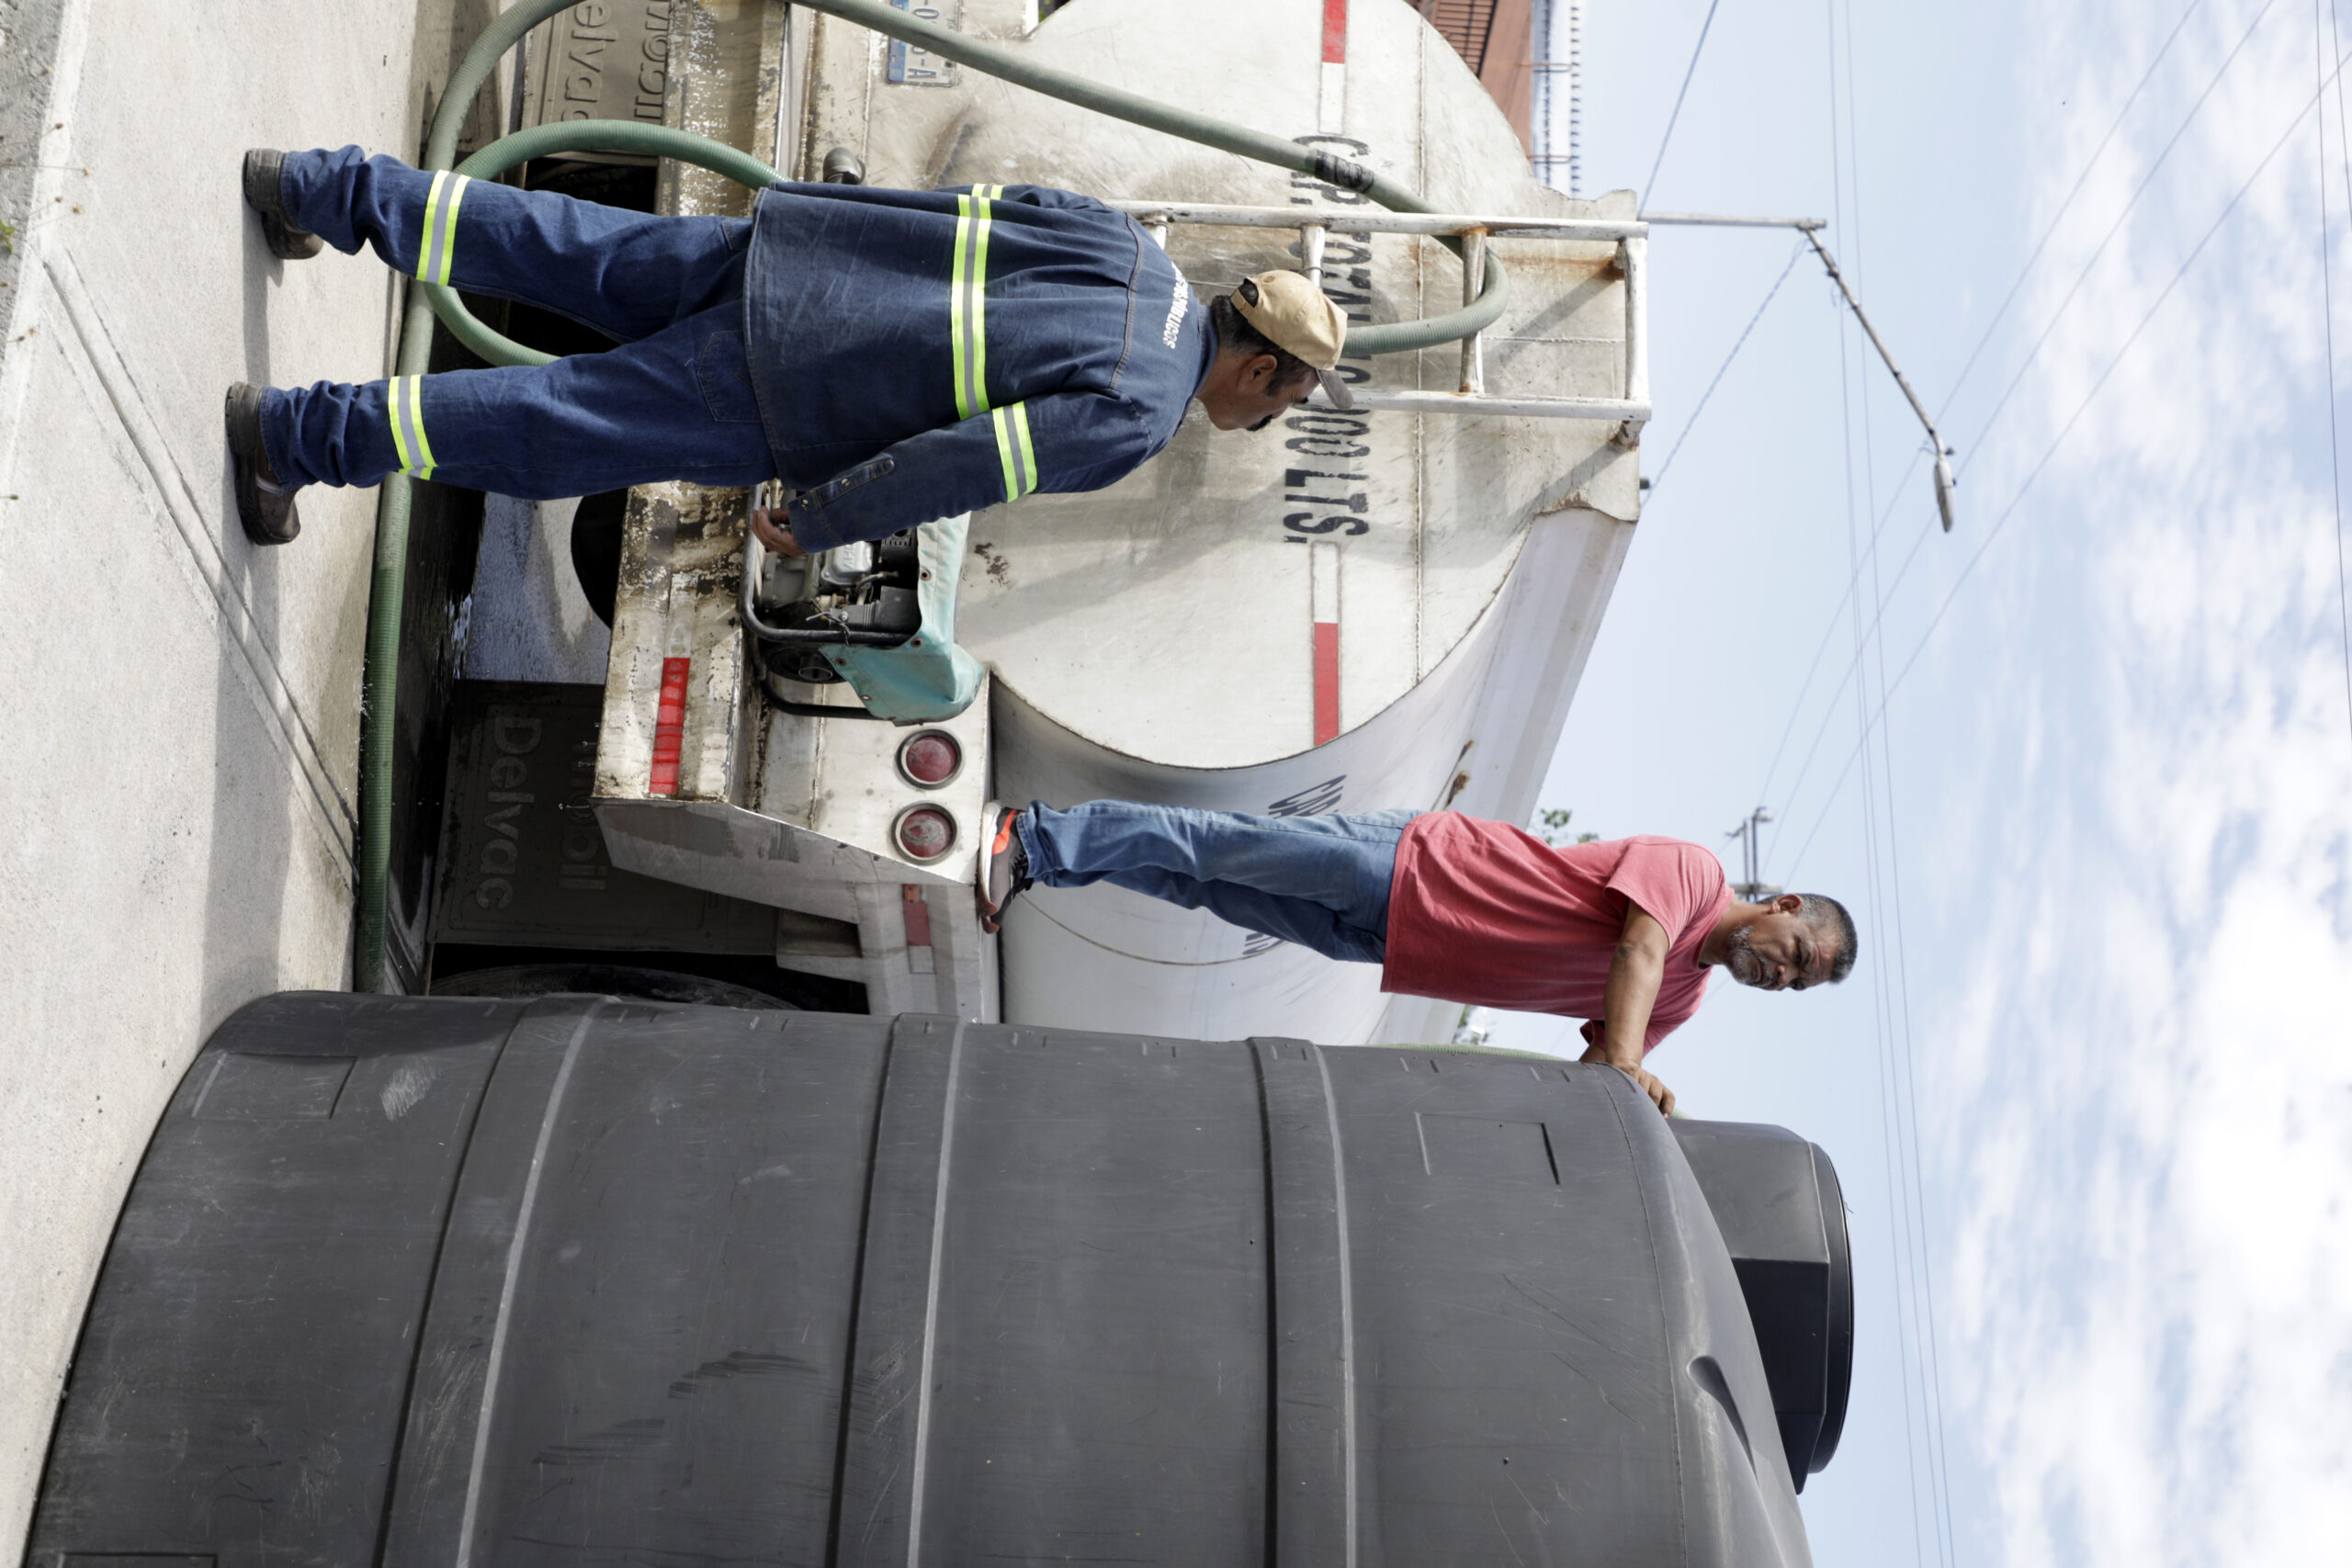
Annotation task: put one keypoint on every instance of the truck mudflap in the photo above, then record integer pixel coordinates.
(422, 1280)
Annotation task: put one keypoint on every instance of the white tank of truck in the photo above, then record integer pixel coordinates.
(1388, 607)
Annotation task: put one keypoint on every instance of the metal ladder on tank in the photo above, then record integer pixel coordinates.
(1630, 235)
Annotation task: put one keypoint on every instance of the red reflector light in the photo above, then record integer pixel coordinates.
(923, 833)
(669, 728)
(930, 759)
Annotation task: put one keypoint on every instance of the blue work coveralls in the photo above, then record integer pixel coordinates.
(895, 357)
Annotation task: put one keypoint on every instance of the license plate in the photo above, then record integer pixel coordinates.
(913, 66)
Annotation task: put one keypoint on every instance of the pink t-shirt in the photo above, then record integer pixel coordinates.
(1485, 914)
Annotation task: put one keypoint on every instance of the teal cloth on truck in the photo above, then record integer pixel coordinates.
(927, 678)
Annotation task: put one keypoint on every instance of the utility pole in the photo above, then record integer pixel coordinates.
(1751, 886)
(1546, 29)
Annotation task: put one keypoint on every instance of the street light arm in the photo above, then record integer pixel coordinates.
(1943, 454)
(1810, 229)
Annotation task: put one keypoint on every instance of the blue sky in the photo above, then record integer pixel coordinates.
(2109, 809)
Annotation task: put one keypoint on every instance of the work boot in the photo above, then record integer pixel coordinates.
(265, 503)
(265, 194)
(1004, 865)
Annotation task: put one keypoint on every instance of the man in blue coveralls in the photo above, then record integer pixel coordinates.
(893, 357)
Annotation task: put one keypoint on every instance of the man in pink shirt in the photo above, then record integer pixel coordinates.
(1622, 934)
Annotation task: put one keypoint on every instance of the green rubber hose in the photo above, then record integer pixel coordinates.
(388, 579)
(627, 136)
(579, 136)
(1009, 65)
(381, 683)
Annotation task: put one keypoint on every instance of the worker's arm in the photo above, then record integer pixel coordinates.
(1063, 442)
(1634, 972)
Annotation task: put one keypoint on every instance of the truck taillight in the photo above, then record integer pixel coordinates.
(923, 833)
(930, 758)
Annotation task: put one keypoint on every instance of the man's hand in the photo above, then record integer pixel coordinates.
(1632, 991)
(1661, 1096)
(775, 535)
(1643, 1079)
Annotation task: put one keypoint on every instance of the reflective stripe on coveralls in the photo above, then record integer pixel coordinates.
(438, 244)
(968, 286)
(403, 402)
(1012, 449)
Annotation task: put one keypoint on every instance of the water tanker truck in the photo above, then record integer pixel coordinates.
(1383, 607)
(703, 1186)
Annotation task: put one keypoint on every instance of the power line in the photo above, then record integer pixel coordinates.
(1992, 418)
(1908, 1080)
(1769, 295)
(1899, 1238)
(2116, 227)
(1899, 992)
(1894, 1154)
(2335, 477)
(1651, 184)
(2059, 440)
(1899, 1089)
(2063, 207)
(1830, 628)
(1919, 1271)
(1804, 769)
(1898, 1212)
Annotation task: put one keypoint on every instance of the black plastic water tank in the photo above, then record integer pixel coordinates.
(1776, 1199)
(458, 1283)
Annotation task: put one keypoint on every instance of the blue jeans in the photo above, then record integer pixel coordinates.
(1321, 882)
(674, 401)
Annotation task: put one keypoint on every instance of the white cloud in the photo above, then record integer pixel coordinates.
(2145, 1078)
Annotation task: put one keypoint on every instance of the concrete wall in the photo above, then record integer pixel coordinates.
(177, 833)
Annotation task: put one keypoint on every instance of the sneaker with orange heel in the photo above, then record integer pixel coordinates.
(1004, 865)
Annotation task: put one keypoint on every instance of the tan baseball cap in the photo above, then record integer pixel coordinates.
(1297, 319)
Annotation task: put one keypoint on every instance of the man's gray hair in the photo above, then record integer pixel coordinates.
(1829, 919)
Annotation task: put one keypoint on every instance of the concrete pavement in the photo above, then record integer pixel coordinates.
(177, 838)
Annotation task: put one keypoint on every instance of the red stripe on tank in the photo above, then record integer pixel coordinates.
(1327, 681)
(1335, 32)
